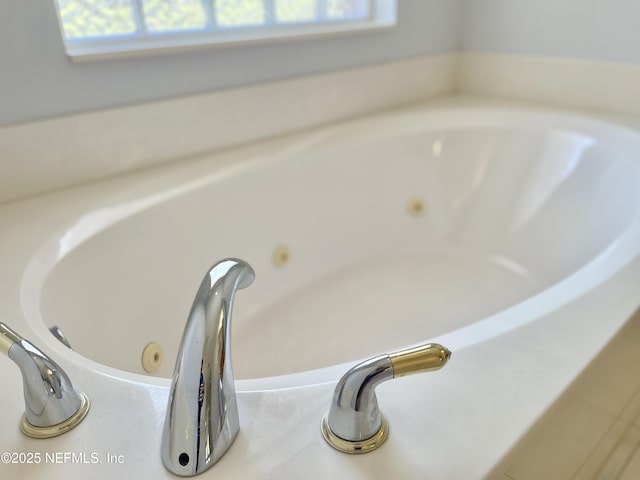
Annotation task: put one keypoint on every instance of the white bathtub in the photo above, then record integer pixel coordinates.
(523, 261)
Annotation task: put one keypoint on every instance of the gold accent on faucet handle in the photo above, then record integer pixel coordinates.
(355, 447)
(7, 338)
(60, 428)
(425, 358)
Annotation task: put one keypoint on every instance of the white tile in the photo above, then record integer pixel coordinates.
(561, 81)
(64, 151)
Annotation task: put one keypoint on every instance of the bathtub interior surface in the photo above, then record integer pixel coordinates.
(508, 213)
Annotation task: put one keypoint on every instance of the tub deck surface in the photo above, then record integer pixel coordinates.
(520, 332)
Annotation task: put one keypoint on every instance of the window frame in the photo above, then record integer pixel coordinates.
(382, 16)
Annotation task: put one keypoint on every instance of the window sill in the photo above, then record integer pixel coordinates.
(136, 47)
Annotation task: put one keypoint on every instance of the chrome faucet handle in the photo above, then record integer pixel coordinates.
(52, 404)
(354, 423)
(57, 332)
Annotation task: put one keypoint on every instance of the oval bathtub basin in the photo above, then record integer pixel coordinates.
(364, 239)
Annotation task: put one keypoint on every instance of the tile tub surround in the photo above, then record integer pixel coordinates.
(50, 154)
(590, 84)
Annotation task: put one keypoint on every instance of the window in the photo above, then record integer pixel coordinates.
(95, 28)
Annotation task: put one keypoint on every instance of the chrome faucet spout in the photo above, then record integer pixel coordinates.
(202, 413)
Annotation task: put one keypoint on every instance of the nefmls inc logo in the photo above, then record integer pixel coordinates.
(72, 457)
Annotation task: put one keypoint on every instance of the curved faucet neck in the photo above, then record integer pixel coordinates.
(202, 414)
(52, 404)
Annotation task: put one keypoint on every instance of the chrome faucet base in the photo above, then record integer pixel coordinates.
(355, 446)
(53, 406)
(54, 430)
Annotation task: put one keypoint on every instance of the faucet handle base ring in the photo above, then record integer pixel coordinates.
(54, 430)
(355, 447)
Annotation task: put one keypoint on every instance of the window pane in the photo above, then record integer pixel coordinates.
(96, 18)
(295, 10)
(172, 15)
(347, 9)
(236, 13)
